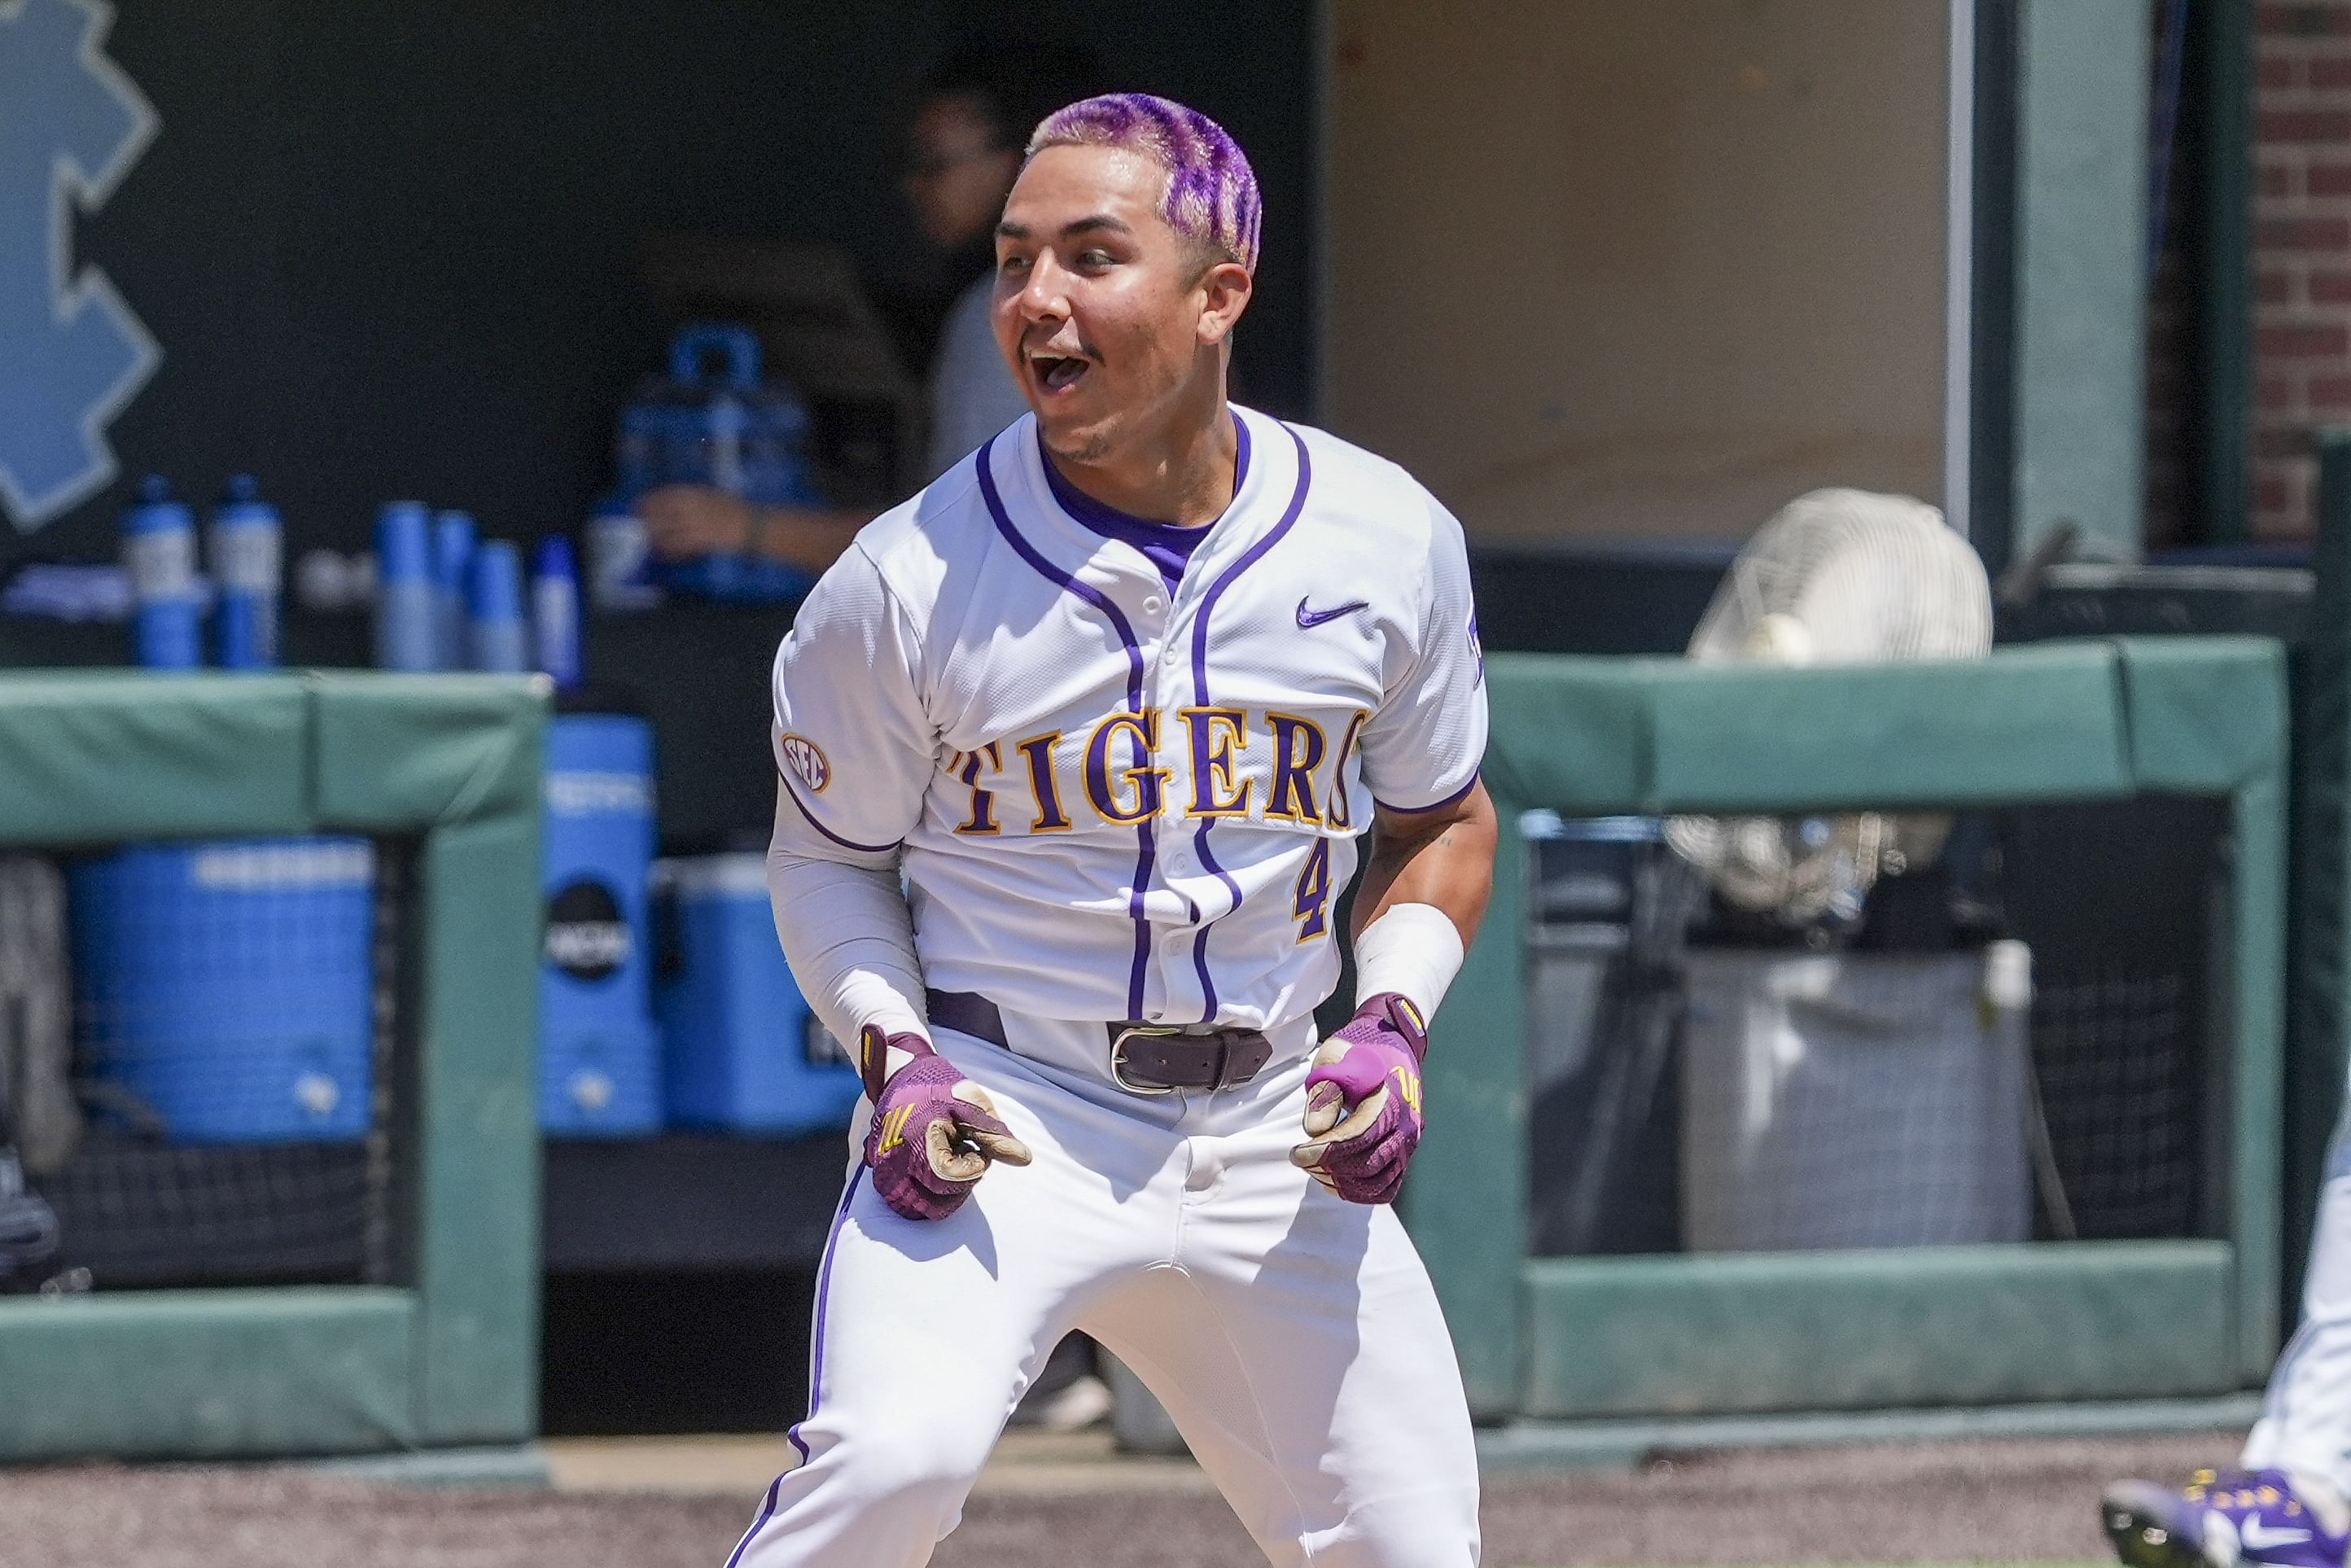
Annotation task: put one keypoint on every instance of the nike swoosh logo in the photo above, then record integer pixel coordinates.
(1309, 619)
(2260, 1537)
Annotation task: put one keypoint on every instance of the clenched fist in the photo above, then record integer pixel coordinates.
(1362, 1101)
(934, 1132)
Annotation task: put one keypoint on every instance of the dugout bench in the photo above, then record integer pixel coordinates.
(1549, 1339)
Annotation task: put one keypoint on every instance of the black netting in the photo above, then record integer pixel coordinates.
(1747, 1088)
(141, 1212)
(223, 1022)
(2119, 1059)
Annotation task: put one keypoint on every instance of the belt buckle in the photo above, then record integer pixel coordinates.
(1118, 1058)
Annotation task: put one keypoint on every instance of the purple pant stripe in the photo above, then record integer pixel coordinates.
(816, 1366)
(766, 1512)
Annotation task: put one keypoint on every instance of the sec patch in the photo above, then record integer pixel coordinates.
(806, 759)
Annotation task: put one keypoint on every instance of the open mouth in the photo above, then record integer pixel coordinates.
(1057, 372)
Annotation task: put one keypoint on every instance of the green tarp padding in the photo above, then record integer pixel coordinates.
(100, 757)
(1716, 1334)
(2058, 721)
(206, 1373)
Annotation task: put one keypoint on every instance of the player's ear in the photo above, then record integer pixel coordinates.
(1225, 291)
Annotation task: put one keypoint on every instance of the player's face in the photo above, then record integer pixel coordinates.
(1114, 323)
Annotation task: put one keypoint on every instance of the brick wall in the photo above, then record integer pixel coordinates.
(2302, 314)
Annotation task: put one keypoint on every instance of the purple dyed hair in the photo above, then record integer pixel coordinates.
(1212, 195)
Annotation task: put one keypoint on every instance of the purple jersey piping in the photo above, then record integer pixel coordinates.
(1249, 558)
(828, 833)
(1102, 602)
(815, 1366)
(1453, 800)
(1159, 543)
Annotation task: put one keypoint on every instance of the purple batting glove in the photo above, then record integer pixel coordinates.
(933, 1133)
(1362, 1101)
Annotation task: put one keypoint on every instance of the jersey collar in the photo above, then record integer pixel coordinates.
(1017, 464)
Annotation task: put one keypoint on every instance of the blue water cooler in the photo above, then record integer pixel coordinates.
(599, 1055)
(740, 1051)
(223, 991)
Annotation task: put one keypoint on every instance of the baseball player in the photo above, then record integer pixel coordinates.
(1074, 750)
(2290, 1501)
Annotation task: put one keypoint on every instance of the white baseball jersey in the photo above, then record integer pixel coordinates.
(1116, 802)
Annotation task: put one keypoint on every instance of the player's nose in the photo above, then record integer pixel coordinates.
(1046, 296)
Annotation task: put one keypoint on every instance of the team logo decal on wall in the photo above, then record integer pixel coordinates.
(71, 352)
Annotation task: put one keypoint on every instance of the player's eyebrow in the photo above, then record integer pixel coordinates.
(1008, 229)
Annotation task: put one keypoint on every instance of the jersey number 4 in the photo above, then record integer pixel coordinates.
(1312, 904)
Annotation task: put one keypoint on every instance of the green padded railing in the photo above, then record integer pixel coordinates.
(1684, 1334)
(450, 1354)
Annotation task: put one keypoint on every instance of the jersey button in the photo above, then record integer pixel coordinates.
(1180, 860)
(1154, 605)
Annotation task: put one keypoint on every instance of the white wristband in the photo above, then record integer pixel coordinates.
(1414, 950)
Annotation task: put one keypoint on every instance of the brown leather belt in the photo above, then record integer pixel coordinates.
(1144, 1058)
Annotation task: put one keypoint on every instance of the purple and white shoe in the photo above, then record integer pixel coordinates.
(2219, 1520)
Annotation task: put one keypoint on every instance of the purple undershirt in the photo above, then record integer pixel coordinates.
(1168, 546)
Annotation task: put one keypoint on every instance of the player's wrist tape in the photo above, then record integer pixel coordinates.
(1414, 950)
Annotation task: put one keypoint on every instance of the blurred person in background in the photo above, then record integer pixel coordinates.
(975, 110)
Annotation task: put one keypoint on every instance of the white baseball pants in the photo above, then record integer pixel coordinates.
(2306, 1423)
(1293, 1337)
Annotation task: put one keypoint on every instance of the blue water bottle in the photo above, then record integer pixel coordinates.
(248, 576)
(158, 551)
(452, 560)
(555, 611)
(405, 627)
(494, 609)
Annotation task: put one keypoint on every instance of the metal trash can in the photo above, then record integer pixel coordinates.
(1856, 1099)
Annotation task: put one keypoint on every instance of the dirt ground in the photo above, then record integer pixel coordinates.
(1938, 1503)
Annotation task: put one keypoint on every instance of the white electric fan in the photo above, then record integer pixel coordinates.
(1838, 576)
